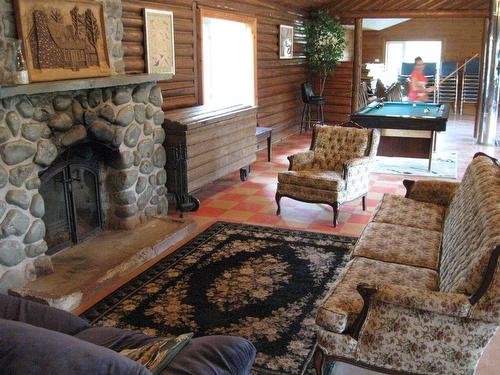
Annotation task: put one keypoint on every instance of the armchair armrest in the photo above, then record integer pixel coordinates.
(431, 191)
(356, 166)
(301, 161)
(357, 176)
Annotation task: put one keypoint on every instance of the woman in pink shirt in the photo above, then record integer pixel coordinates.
(418, 92)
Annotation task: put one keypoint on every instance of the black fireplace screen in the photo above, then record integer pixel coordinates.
(70, 189)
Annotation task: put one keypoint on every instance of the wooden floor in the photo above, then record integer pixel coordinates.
(253, 201)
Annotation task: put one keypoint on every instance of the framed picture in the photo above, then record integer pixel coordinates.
(286, 42)
(63, 39)
(159, 41)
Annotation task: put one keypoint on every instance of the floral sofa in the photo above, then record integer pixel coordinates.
(421, 294)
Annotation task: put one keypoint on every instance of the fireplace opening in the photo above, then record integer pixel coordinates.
(71, 190)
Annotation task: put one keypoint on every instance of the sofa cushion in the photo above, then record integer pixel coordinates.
(22, 310)
(27, 349)
(472, 228)
(310, 194)
(323, 180)
(340, 309)
(394, 209)
(398, 244)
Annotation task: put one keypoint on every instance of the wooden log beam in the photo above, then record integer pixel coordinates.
(357, 62)
(462, 13)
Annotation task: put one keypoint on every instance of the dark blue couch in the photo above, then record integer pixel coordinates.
(37, 339)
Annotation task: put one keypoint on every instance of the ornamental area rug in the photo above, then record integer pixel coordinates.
(261, 283)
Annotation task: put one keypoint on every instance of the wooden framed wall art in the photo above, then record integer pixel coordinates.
(159, 41)
(63, 39)
(286, 42)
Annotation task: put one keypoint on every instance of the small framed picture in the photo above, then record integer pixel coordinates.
(286, 42)
(159, 41)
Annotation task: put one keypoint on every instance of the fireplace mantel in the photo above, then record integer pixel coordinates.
(80, 84)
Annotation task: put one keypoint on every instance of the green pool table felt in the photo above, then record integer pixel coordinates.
(404, 109)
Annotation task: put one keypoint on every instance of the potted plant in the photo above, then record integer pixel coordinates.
(325, 45)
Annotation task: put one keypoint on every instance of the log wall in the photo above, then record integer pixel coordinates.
(278, 80)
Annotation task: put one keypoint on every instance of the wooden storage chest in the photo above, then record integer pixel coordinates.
(216, 142)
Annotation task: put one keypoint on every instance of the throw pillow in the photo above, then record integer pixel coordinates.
(156, 355)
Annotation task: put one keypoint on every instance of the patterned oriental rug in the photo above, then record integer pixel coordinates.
(261, 283)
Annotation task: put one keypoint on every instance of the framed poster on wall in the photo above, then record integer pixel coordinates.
(286, 42)
(159, 41)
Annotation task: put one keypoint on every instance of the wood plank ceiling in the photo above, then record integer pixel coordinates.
(398, 5)
(386, 5)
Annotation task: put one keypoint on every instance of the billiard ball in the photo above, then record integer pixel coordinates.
(414, 105)
(427, 110)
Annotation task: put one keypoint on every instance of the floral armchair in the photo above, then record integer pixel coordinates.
(334, 171)
(421, 294)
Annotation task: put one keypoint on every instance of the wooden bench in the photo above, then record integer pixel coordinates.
(265, 133)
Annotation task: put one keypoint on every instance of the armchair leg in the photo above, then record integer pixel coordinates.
(336, 207)
(278, 198)
(319, 360)
(363, 202)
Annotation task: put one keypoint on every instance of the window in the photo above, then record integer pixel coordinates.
(399, 52)
(228, 58)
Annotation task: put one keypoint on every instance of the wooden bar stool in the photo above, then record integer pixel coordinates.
(309, 99)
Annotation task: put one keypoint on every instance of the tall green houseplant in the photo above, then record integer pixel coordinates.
(325, 44)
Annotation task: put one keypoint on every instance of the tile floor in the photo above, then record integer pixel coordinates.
(253, 202)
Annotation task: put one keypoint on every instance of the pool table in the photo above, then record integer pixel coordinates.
(407, 129)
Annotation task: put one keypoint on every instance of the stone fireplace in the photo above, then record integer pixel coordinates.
(76, 157)
(55, 146)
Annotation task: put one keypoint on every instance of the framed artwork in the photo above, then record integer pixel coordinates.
(63, 39)
(159, 41)
(286, 42)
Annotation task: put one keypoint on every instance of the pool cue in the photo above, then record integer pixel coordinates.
(456, 70)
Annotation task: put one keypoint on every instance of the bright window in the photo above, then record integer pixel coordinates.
(228, 60)
(399, 52)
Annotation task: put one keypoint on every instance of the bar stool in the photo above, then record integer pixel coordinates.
(309, 99)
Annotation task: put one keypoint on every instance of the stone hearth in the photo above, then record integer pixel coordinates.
(108, 259)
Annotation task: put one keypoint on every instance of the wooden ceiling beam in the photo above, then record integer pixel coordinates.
(422, 13)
